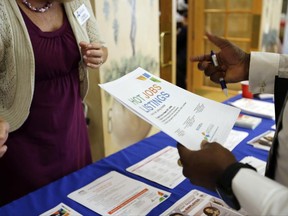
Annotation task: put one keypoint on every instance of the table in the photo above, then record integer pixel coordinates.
(51, 195)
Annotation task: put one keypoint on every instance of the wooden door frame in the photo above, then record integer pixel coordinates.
(167, 28)
(194, 14)
(196, 30)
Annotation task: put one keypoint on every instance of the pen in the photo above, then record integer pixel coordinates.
(221, 80)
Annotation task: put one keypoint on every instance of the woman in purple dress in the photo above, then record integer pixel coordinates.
(45, 49)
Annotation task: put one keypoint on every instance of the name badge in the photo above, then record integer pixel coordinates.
(82, 14)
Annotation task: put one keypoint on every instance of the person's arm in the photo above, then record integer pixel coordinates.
(256, 194)
(267, 197)
(259, 195)
(4, 129)
(262, 71)
(94, 51)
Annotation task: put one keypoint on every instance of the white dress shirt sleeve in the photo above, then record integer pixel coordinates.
(262, 71)
(257, 194)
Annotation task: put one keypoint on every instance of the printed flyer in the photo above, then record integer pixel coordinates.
(186, 117)
(197, 203)
(61, 210)
(117, 194)
(160, 167)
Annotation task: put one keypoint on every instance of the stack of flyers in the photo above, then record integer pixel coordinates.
(263, 141)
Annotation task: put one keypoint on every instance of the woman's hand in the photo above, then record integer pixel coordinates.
(4, 129)
(94, 54)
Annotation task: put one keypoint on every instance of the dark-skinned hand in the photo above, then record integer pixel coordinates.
(205, 166)
(233, 62)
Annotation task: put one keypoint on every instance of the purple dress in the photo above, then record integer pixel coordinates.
(53, 141)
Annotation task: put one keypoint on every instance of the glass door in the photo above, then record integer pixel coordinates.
(236, 20)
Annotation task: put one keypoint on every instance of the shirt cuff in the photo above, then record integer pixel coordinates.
(224, 184)
(262, 71)
(259, 195)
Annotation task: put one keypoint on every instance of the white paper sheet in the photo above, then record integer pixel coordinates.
(234, 138)
(263, 141)
(255, 107)
(61, 209)
(117, 194)
(186, 117)
(160, 167)
(259, 165)
(197, 203)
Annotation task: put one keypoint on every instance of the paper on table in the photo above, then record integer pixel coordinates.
(255, 107)
(161, 167)
(263, 141)
(186, 117)
(117, 194)
(247, 121)
(259, 165)
(61, 209)
(234, 138)
(198, 203)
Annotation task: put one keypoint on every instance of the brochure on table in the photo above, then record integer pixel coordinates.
(263, 141)
(161, 167)
(259, 165)
(61, 209)
(117, 194)
(255, 107)
(197, 203)
(235, 137)
(186, 117)
(247, 121)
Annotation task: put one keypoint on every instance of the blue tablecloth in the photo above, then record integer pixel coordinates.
(51, 195)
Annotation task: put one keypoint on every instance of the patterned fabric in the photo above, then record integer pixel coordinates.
(7, 67)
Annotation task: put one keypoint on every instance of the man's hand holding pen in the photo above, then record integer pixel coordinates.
(221, 79)
(231, 62)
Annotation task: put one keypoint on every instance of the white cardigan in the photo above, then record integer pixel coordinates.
(17, 66)
(259, 195)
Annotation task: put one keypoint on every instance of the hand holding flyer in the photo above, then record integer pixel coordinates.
(186, 117)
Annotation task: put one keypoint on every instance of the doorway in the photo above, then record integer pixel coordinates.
(237, 20)
(167, 37)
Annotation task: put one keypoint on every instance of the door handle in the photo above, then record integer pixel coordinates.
(163, 36)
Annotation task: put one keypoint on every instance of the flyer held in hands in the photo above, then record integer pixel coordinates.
(186, 117)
